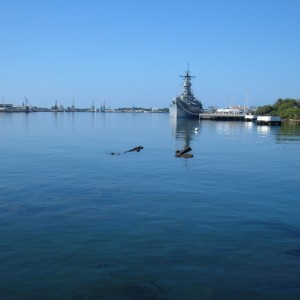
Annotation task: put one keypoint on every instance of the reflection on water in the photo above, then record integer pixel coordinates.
(228, 127)
(288, 132)
(249, 125)
(185, 129)
(263, 130)
(85, 225)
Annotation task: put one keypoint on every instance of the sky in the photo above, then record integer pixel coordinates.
(131, 52)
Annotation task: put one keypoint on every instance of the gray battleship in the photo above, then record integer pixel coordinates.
(186, 105)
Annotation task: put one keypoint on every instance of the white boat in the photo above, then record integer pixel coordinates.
(186, 105)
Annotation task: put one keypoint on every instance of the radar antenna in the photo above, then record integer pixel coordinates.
(187, 75)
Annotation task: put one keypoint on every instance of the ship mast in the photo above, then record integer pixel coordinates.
(187, 85)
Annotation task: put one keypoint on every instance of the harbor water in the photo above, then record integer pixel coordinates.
(77, 222)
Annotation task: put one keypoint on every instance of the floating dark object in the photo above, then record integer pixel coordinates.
(136, 149)
(188, 155)
(113, 153)
(184, 153)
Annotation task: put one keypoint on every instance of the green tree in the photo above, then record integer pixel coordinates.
(288, 103)
(284, 108)
(290, 113)
(263, 110)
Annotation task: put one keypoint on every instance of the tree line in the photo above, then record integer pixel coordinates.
(283, 108)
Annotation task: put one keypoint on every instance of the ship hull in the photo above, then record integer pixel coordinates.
(182, 110)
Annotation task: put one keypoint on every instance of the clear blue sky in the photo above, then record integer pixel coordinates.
(129, 52)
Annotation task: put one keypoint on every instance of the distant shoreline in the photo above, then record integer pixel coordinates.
(9, 108)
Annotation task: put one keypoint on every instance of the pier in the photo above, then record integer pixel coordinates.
(222, 117)
(259, 120)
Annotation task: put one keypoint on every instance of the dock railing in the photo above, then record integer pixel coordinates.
(222, 116)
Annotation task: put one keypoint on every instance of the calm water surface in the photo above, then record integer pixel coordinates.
(79, 223)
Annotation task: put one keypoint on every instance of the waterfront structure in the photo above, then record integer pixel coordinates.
(186, 105)
(259, 120)
(57, 108)
(222, 116)
(268, 120)
(250, 118)
(4, 107)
